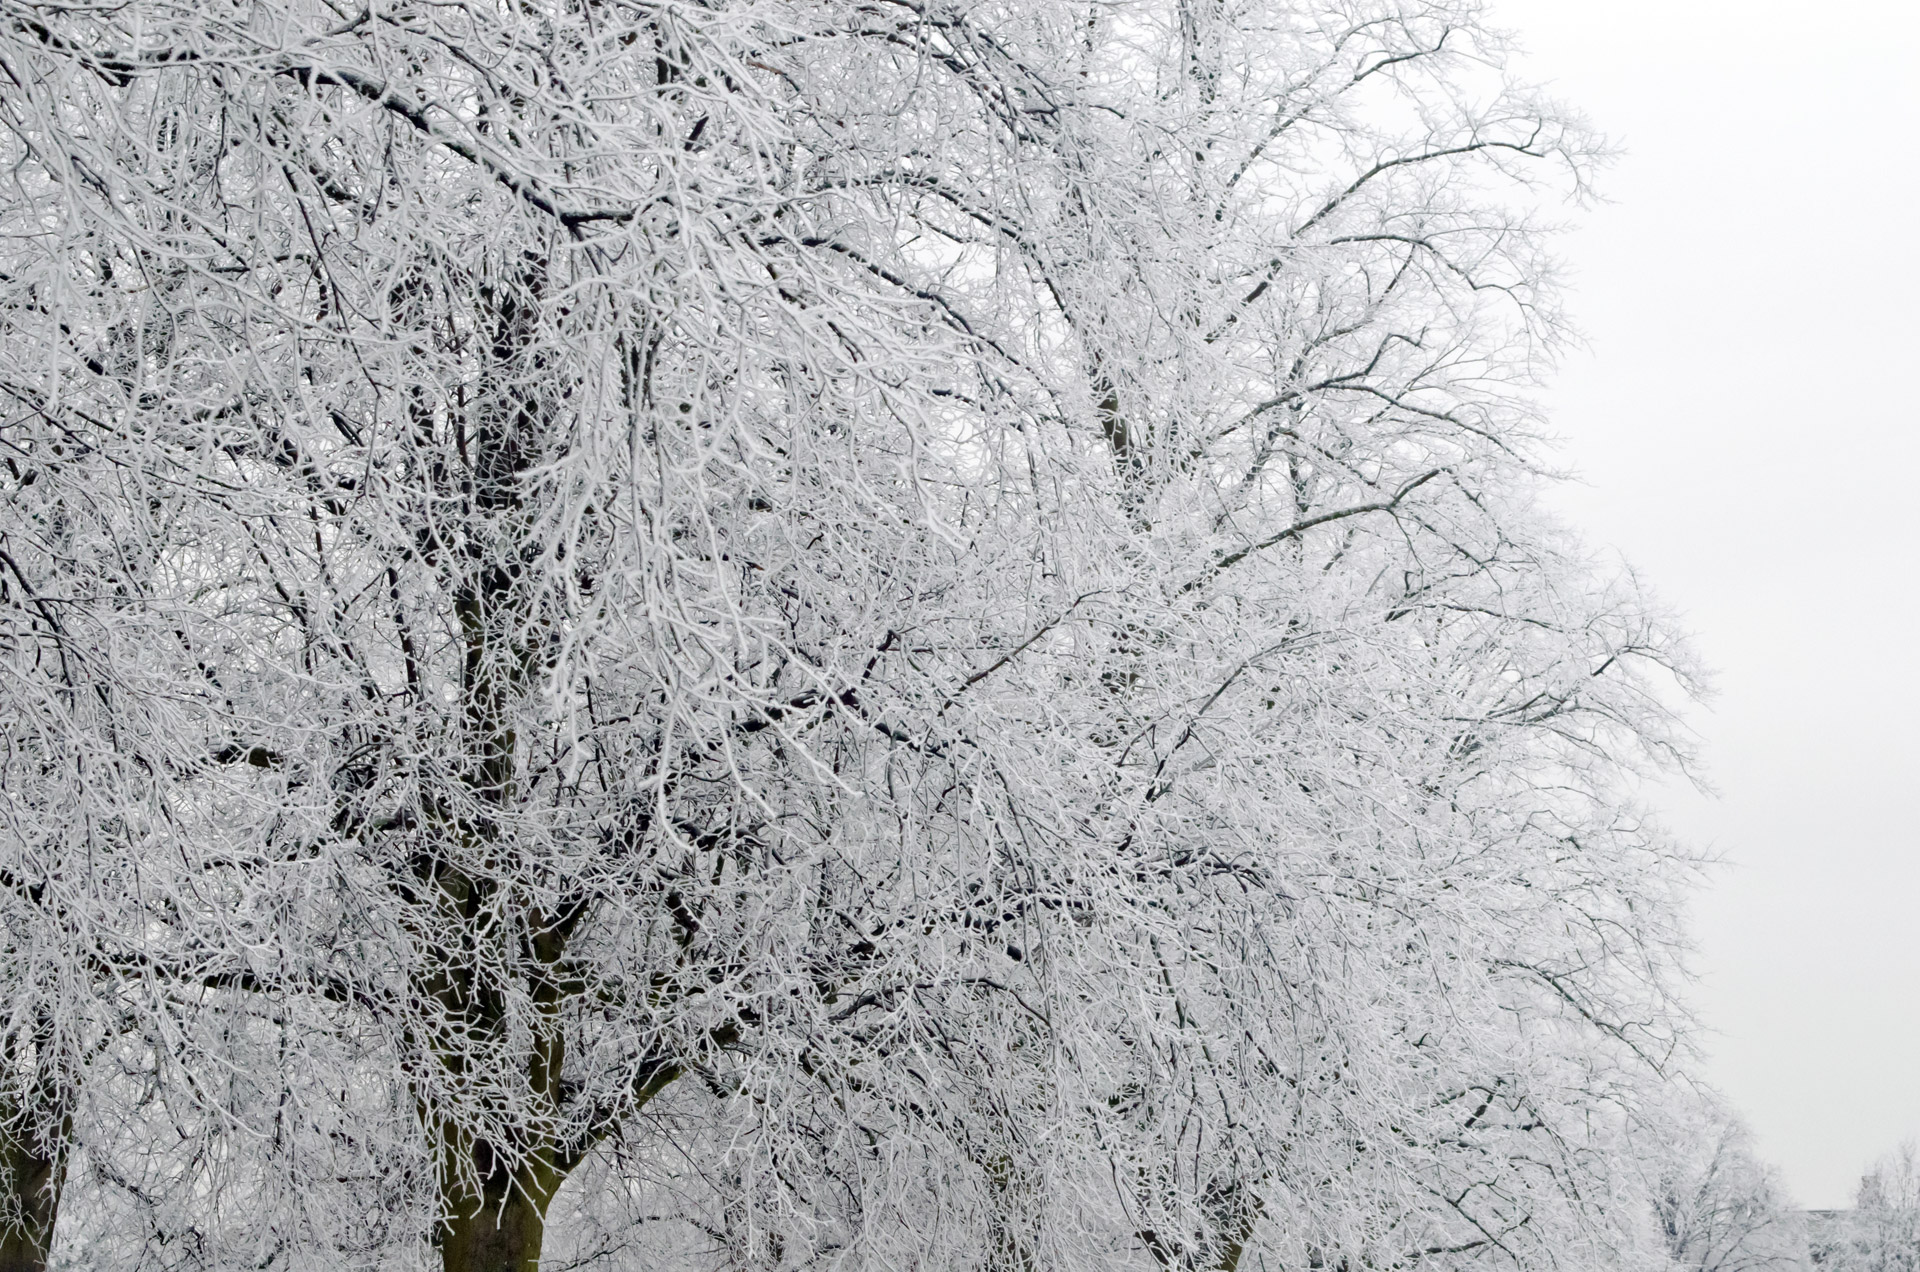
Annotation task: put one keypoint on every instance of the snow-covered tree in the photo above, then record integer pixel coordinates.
(1882, 1231)
(1716, 1205)
(893, 633)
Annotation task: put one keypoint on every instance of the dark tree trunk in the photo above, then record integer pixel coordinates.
(498, 1232)
(32, 1202)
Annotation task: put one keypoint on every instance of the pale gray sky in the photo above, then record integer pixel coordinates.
(1748, 425)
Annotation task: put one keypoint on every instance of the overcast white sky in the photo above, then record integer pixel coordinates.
(1748, 425)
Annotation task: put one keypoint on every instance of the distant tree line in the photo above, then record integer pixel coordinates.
(1881, 1233)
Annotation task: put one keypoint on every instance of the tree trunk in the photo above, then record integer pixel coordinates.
(31, 1204)
(500, 1231)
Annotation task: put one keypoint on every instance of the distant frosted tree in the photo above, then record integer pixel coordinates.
(1717, 1206)
(1882, 1231)
(807, 632)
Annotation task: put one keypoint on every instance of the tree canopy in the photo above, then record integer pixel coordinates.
(873, 633)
